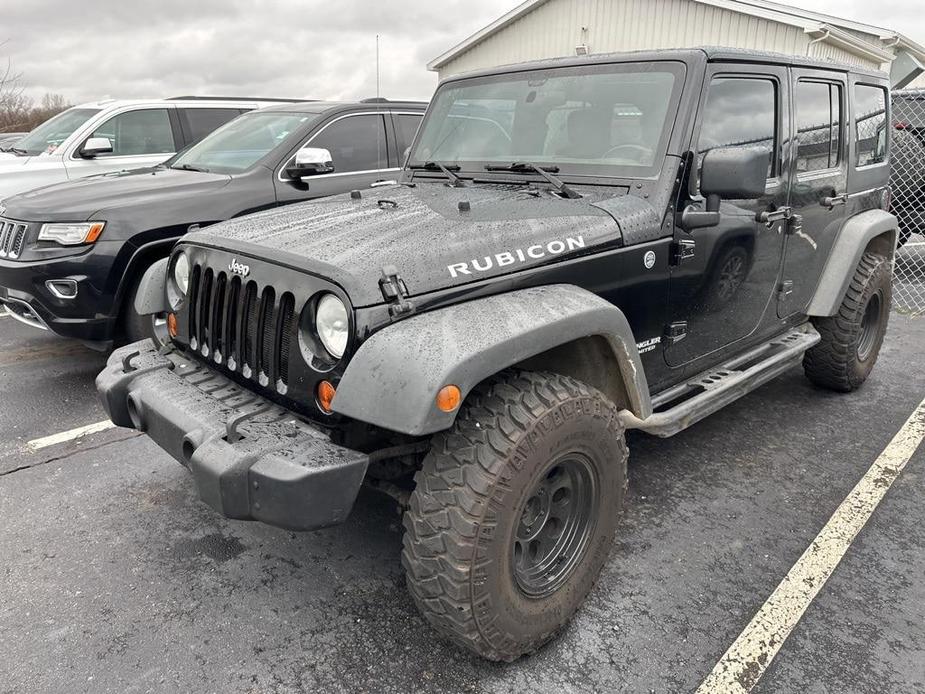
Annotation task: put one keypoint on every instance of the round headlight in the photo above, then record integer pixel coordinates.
(332, 325)
(179, 284)
(181, 273)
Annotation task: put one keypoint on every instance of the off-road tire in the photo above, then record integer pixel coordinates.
(471, 491)
(836, 362)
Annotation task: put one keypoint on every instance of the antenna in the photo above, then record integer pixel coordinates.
(380, 124)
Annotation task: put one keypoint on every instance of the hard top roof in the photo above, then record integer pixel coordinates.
(712, 53)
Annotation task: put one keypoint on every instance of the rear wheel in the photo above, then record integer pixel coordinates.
(514, 512)
(851, 339)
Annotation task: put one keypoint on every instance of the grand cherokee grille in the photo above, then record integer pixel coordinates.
(12, 238)
(247, 330)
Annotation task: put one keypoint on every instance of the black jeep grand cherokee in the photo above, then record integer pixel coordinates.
(476, 339)
(72, 254)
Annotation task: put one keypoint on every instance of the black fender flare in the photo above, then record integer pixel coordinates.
(393, 378)
(855, 235)
(152, 290)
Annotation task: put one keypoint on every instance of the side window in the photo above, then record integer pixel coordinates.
(819, 118)
(870, 124)
(199, 122)
(740, 112)
(407, 126)
(146, 131)
(356, 143)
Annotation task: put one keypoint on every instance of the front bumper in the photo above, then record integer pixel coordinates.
(89, 316)
(250, 459)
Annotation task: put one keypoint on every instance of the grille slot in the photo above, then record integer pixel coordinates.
(246, 328)
(12, 238)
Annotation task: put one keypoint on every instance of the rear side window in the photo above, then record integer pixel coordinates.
(356, 143)
(870, 124)
(819, 118)
(740, 112)
(199, 122)
(145, 131)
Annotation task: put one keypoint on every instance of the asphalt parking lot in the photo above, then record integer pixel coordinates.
(117, 579)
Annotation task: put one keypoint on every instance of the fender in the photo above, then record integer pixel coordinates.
(852, 240)
(152, 291)
(393, 379)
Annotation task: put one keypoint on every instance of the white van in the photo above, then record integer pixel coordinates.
(114, 135)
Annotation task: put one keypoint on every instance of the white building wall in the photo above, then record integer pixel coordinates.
(555, 28)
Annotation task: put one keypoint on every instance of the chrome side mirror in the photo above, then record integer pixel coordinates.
(310, 161)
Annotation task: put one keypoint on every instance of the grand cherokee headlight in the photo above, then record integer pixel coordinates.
(72, 234)
(332, 325)
(178, 285)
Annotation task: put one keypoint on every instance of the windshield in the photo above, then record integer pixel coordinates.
(241, 143)
(593, 119)
(54, 131)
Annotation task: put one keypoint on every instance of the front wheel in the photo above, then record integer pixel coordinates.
(851, 339)
(514, 512)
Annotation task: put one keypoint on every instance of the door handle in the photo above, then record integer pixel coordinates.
(835, 200)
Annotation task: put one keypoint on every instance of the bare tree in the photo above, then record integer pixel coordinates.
(18, 112)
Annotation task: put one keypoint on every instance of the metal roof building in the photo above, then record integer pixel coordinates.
(552, 28)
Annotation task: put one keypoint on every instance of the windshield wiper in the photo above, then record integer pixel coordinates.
(546, 172)
(455, 180)
(18, 151)
(190, 167)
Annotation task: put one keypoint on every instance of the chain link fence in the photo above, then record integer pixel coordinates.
(907, 185)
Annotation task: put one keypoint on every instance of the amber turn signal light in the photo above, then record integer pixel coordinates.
(448, 398)
(325, 393)
(172, 324)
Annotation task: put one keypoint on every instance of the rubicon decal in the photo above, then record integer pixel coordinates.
(518, 255)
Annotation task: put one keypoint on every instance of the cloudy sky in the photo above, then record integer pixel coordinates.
(89, 49)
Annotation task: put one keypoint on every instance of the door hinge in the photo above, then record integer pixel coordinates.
(395, 292)
(784, 289)
(793, 221)
(675, 332)
(681, 250)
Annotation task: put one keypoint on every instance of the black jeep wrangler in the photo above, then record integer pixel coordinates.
(577, 247)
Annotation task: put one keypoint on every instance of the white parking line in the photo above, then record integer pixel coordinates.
(749, 656)
(64, 436)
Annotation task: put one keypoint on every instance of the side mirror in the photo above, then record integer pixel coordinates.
(96, 146)
(730, 173)
(310, 161)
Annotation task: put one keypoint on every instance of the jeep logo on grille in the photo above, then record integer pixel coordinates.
(238, 268)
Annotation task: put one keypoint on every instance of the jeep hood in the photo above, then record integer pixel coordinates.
(436, 236)
(112, 195)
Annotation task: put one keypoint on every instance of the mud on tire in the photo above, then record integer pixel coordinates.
(519, 450)
(851, 339)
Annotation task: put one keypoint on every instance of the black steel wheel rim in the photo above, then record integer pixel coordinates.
(555, 525)
(159, 329)
(870, 327)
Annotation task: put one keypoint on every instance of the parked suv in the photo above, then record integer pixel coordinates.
(476, 339)
(72, 254)
(113, 135)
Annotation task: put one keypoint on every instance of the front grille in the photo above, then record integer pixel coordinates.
(12, 238)
(243, 327)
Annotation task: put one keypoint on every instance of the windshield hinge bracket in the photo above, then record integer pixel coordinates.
(395, 292)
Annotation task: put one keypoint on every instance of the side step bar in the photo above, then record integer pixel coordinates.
(685, 404)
